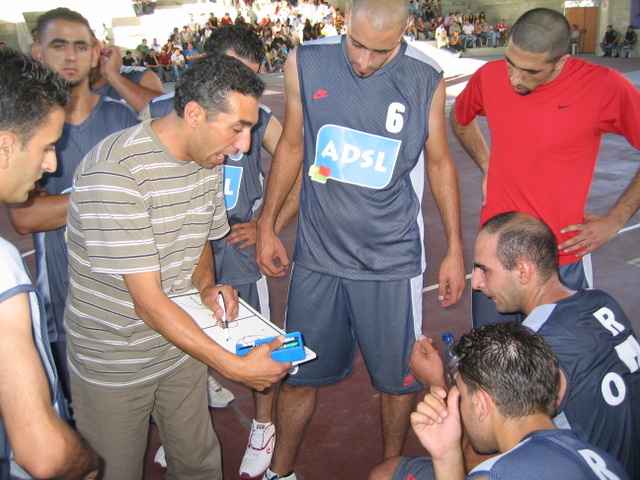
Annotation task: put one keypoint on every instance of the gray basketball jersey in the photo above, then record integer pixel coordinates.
(552, 454)
(363, 171)
(162, 105)
(107, 117)
(243, 190)
(600, 356)
(134, 74)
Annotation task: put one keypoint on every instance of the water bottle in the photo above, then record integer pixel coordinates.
(449, 356)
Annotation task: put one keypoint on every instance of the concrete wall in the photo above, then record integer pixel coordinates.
(510, 10)
(615, 13)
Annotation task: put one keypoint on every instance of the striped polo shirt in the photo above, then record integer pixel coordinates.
(134, 208)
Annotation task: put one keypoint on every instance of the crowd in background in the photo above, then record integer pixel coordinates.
(457, 32)
(279, 25)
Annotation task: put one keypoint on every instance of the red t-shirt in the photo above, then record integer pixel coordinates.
(544, 145)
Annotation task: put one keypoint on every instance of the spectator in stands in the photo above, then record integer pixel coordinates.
(338, 21)
(205, 33)
(240, 21)
(456, 27)
(149, 7)
(156, 46)
(449, 21)
(442, 39)
(267, 64)
(307, 31)
(413, 8)
(421, 28)
(477, 31)
(175, 35)
(503, 30)
(178, 64)
(456, 44)
(165, 63)
(226, 20)
(194, 28)
(191, 53)
(128, 60)
(488, 33)
(469, 35)
(138, 7)
(427, 12)
(212, 21)
(431, 29)
(152, 63)
(143, 48)
(185, 37)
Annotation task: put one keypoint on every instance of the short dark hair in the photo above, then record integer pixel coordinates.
(29, 91)
(245, 43)
(522, 236)
(542, 30)
(61, 13)
(210, 79)
(514, 365)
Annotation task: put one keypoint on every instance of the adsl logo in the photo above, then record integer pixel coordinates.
(355, 157)
(232, 179)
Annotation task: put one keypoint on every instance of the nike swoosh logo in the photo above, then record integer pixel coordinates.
(320, 94)
(563, 106)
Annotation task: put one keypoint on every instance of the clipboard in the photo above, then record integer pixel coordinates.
(248, 327)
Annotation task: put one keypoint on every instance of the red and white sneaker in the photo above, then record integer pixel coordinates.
(258, 455)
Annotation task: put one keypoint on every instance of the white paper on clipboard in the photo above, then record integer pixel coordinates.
(248, 327)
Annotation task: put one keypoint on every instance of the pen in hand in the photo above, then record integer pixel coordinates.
(225, 325)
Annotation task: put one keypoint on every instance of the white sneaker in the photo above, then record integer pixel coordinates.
(258, 455)
(269, 475)
(219, 397)
(160, 459)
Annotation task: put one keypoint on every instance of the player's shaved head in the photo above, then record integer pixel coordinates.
(382, 14)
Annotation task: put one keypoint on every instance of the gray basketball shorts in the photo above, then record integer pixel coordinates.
(413, 468)
(336, 315)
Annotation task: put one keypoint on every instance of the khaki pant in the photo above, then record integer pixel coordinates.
(115, 422)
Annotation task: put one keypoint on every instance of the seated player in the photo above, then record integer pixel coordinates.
(506, 387)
